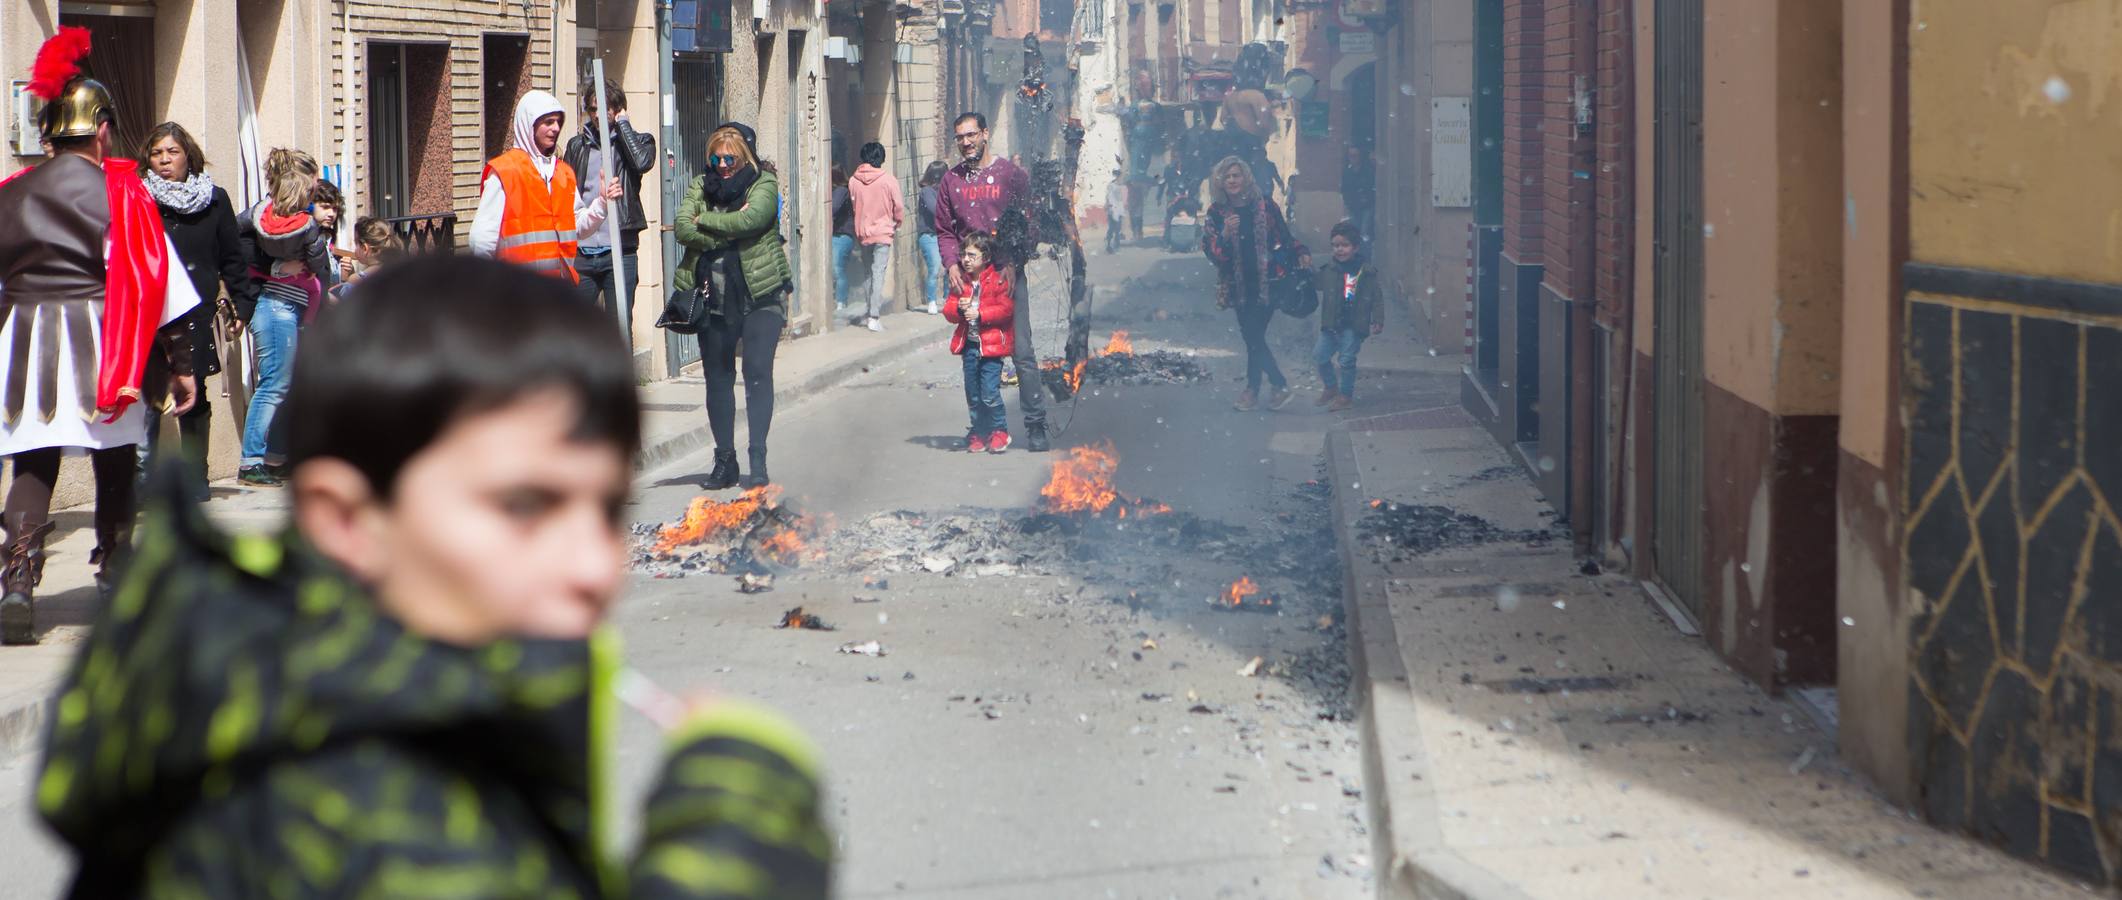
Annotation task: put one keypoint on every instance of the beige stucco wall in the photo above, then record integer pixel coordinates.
(1421, 246)
(1771, 200)
(1644, 319)
(1987, 134)
(1872, 646)
(1868, 203)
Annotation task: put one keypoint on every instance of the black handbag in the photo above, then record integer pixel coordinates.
(1296, 294)
(684, 312)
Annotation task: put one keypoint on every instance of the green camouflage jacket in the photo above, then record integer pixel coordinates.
(243, 722)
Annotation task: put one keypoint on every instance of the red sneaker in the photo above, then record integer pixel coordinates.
(998, 442)
(976, 443)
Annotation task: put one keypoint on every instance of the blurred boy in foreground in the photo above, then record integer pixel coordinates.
(409, 693)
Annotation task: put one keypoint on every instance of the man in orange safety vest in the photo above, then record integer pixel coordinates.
(530, 212)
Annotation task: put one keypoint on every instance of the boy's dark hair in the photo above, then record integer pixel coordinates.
(1346, 229)
(873, 154)
(327, 194)
(438, 338)
(981, 241)
(977, 119)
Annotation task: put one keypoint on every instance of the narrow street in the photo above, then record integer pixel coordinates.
(1062, 713)
(1055, 724)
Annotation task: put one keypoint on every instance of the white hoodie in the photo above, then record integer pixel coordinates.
(493, 204)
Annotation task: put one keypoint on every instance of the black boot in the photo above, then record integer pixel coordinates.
(724, 476)
(24, 567)
(757, 479)
(1035, 437)
(114, 548)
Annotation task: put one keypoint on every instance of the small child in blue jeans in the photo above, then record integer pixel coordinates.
(986, 335)
(1348, 315)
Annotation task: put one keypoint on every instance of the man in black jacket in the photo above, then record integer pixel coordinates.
(636, 156)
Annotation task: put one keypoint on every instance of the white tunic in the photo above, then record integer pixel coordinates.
(76, 429)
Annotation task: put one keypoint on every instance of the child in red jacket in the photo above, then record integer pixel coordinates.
(986, 313)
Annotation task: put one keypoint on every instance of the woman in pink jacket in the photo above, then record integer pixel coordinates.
(878, 212)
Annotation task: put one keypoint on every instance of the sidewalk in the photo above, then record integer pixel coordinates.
(1533, 732)
(674, 423)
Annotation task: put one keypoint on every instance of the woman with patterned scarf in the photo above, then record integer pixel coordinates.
(1245, 235)
(201, 223)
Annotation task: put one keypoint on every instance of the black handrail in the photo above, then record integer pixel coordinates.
(429, 233)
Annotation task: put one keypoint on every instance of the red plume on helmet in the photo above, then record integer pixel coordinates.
(58, 61)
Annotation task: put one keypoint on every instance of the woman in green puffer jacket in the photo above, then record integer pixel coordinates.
(732, 250)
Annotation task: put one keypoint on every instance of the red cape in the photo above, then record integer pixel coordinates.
(136, 284)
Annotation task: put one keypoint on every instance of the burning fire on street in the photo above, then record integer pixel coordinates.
(730, 535)
(1083, 482)
(1245, 594)
(1118, 363)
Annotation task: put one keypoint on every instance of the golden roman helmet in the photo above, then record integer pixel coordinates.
(74, 104)
(82, 105)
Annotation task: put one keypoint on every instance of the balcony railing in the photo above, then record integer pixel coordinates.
(429, 233)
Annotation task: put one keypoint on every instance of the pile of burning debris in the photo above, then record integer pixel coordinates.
(1118, 363)
(1413, 530)
(749, 535)
(1082, 516)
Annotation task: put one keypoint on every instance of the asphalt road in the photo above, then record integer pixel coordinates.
(1073, 724)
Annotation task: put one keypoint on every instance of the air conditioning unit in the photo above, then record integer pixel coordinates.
(22, 129)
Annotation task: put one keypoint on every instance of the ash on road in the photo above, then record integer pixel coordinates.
(1064, 702)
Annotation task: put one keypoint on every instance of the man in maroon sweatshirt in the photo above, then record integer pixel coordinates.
(973, 198)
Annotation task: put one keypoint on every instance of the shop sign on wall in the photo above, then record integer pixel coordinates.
(1451, 159)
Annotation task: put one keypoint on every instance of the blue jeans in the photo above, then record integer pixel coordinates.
(1343, 344)
(983, 390)
(843, 246)
(931, 269)
(273, 327)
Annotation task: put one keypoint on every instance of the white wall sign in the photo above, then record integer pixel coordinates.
(1359, 43)
(1451, 158)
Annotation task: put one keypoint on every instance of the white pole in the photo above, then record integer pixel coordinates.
(611, 215)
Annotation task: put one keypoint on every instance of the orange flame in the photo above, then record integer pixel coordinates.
(1118, 344)
(1243, 589)
(784, 546)
(707, 517)
(1082, 481)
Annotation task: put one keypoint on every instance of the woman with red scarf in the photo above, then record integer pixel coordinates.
(85, 292)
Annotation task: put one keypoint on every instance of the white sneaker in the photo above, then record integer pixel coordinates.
(932, 310)
(876, 324)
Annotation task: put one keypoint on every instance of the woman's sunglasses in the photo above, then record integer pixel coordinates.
(720, 160)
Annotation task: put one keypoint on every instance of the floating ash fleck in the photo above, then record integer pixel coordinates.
(797, 618)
